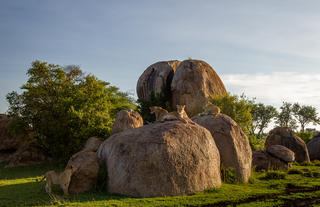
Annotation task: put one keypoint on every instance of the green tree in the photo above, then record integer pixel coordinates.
(63, 108)
(305, 115)
(262, 116)
(285, 117)
(305, 136)
(237, 107)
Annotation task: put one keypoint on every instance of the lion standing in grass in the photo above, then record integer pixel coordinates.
(62, 179)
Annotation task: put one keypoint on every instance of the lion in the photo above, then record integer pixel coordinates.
(62, 179)
(210, 109)
(163, 115)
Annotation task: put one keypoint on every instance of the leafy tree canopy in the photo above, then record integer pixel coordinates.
(305, 115)
(285, 117)
(262, 116)
(62, 107)
(237, 107)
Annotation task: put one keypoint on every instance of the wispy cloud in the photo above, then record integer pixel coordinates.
(276, 87)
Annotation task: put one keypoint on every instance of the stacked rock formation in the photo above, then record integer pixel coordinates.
(190, 83)
(274, 158)
(286, 137)
(127, 119)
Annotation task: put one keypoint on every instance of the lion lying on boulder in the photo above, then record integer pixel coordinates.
(62, 179)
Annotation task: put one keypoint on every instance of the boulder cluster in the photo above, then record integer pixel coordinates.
(170, 157)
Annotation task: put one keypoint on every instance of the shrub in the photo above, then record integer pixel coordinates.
(63, 108)
(305, 136)
(274, 175)
(228, 175)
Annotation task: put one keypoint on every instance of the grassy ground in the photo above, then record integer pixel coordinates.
(19, 187)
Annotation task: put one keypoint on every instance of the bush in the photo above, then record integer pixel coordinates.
(305, 136)
(228, 175)
(274, 175)
(63, 108)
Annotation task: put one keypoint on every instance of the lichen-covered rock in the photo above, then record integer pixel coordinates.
(92, 144)
(286, 137)
(281, 152)
(157, 78)
(127, 119)
(264, 160)
(233, 144)
(161, 159)
(85, 177)
(314, 148)
(194, 82)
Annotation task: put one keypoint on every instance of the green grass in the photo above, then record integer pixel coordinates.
(19, 187)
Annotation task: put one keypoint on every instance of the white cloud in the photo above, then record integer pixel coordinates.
(274, 88)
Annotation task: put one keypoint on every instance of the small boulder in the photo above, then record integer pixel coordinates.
(281, 152)
(193, 83)
(233, 144)
(264, 160)
(85, 177)
(127, 119)
(161, 159)
(314, 148)
(286, 137)
(157, 78)
(92, 144)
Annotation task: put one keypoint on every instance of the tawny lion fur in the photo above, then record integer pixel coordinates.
(210, 109)
(164, 115)
(62, 179)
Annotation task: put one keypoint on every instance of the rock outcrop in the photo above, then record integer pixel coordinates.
(92, 144)
(127, 119)
(85, 177)
(157, 78)
(286, 137)
(233, 144)
(194, 82)
(161, 159)
(314, 148)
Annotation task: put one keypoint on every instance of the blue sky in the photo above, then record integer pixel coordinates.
(267, 49)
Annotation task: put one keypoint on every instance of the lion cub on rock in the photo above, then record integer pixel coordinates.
(62, 179)
(164, 115)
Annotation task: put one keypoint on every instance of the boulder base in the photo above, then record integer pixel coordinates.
(263, 160)
(161, 159)
(233, 144)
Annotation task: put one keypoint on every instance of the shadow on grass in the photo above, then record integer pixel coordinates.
(33, 194)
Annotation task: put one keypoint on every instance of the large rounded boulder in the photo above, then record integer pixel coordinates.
(161, 159)
(194, 82)
(314, 148)
(157, 78)
(233, 144)
(127, 119)
(286, 137)
(85, 176)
